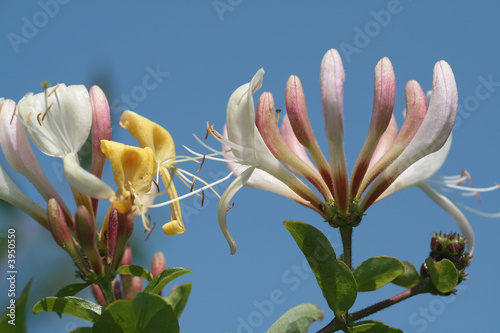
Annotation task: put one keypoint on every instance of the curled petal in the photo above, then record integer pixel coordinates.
(149, 134)
(383, 104)
(224, 203)
(430, 137)
(175, 226)
(58, 120)
(331, 82)
(84, 181)
(240, 116)
(455, 213)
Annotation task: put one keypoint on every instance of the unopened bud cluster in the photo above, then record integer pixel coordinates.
(452, 247)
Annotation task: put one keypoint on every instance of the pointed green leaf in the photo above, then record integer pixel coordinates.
(179, 297)
(135, 271)
(297, 319)
(334, 277)
(145, 313)
(373, 326)
(72, 289)
(74, 306)
(161, 280)
(376, 272)
(409, 278)
(15, 321)
(444, 275)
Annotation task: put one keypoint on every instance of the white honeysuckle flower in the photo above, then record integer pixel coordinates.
(58, 122)
(256, 151)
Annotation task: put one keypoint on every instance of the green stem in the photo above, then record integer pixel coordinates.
(107, 291)
(346, 235)
(337, 324)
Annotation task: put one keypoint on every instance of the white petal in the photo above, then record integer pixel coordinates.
(420, 171)
(455, 213)
(13, 195)
(84, 181)
(62, 129)
(224, 203)
(240, 116)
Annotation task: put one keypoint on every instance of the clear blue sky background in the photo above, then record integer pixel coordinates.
(207, 54)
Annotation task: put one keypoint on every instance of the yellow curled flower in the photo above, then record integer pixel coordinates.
(133, 170)
(153, 136)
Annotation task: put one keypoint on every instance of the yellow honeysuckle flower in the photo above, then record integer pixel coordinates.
(159, 141)
(133, 170)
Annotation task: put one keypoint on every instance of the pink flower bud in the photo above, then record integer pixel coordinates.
(86, 235)
(62, 235)
(101, 130)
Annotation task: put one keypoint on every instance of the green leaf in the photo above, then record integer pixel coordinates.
(161, 280)
(72, 289)
(444, 275)
(373, 326)
(297, 319)
(82, 330)
(145, 313)
(135, 271)
(179, 297)
(334, 277)
(15, 322)
(376, 272)
(409, 278)
(74, 306)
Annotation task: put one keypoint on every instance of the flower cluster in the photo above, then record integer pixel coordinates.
(263, 156)
(59, 121)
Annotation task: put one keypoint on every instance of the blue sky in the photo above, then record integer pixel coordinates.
(178, 62)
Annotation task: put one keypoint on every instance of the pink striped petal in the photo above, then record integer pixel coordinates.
(331, 82)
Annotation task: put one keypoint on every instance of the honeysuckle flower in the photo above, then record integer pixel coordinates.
(58, 122)
(18, 152)
(256, 144)
(154, 137)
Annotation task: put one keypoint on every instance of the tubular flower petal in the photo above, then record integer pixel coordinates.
(430, 137)
(299, 122)
(331, 82)
(13, 195)
(416, 109)
(293, 143)
(268, 128)
(383, 104)
(101, 128)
